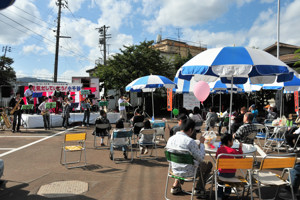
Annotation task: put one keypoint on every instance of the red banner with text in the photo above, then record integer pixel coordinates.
(169, 99)
(296, 100)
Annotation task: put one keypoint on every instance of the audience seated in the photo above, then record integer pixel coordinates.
(182, 140)
(145, 138)
(176, 128)
(246, 129)
(211, 118)
(102, 119)
(254, 111)
(293, 134)
(197, 118)
(226, 144)
(238, 120)
(119, 126)
(138, 117)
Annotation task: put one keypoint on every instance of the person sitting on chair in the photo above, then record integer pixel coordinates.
(102, 119)
(211, 118)
(246, 129)
(138, 117)
(119, 126)
(182, 140)
(197, 118)
(238, 120)
(254, 111)
(1, 170)
(176, 128)
(226, 144)
(293, 134)
(145, 138)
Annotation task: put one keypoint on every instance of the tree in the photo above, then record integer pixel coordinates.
(7, 73)
(179, 61)
(297, 63)
(131, 63)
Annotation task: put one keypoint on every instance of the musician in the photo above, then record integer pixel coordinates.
(122, 109)
(45, 113)
(28, 94)
(15, 103)
(57, 97)
(86, 106)
(66, 112)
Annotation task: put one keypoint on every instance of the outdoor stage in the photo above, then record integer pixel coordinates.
(36, 121)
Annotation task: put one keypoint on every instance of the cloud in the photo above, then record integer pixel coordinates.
(32, 49)
(12, 26)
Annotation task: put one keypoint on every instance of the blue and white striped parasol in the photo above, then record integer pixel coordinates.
(150, 82)
(236, 65)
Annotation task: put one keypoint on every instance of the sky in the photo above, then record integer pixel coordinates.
(28, 27)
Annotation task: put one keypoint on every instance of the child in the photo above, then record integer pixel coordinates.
(119, 141)
(145, 138)
(102, 119)
(226, 144)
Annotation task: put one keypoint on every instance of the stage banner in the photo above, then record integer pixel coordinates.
(296, 100)
(169, 99)
(50, 87)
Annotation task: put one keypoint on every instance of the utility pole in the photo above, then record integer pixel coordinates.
(5, 49)
(102, 40)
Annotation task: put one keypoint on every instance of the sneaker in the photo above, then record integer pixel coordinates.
(19, 131)
(102, 144)
(141, 150)
(146, 151)
(13, 131)
(200, 194)
(111, 156)
(285, 195)
(176, 190)
(82, 125)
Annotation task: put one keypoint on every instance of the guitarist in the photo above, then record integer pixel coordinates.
(57, 97)
(45, 113)
(15, 103)
(28, 94)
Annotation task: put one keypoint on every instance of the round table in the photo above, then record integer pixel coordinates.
(247, 148)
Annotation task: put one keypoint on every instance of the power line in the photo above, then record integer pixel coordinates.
(30, 20)
(30, 14)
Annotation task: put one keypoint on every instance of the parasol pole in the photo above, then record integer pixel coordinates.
(152, 106)
(220, 110)
(230, 107)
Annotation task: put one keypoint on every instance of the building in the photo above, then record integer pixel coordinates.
(286, 53)
(169, 48)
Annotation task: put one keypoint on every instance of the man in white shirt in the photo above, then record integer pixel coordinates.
(122, 108)
(182, 141)
(28, 94)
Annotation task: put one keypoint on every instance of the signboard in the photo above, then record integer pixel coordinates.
(296, 100)
(50, 87)
(190, 101)
(169, 99)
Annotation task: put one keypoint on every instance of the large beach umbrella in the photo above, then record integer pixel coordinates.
(236, 65)
(148, 82)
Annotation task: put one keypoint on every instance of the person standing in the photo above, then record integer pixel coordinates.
(122, 108)
(87, 109)
(65, 112)
(29, 98)
(45, 113)
(57, 97)
(15, 103)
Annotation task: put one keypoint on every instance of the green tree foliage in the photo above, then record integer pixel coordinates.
(179, 61)
(7, 73)
(297, 63)
(131, 63)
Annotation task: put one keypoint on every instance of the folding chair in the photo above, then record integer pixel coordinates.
(138, 125)
(282, 161)
(160, 126)
(104, 132)
(73, 142)
(148, 137)
(277, 138)
(263, 133)
(181, 157)
(237, 161)
(121, 139)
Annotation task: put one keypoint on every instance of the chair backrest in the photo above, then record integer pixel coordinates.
(75, 137)
(252, 135)
(278, 161)
(183, 158)
(157, 124)
(102, 126)
(148, 131)
(122, 133)
(139, 124)
(236, 161)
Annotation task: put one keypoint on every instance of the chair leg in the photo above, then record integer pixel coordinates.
(216, 186)
(166, 189)
(61, 155)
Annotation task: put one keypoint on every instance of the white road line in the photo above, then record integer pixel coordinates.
(24, 136)
(35, 142)
(5, 149)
